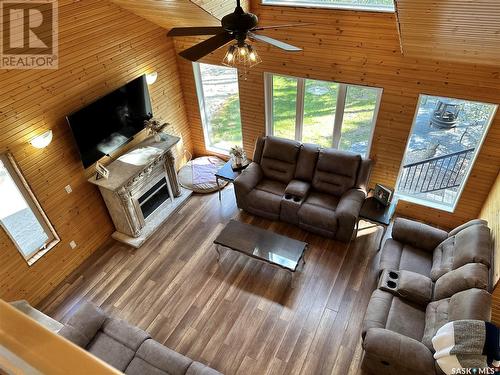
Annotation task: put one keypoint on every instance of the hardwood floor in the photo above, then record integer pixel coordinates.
(239, 316)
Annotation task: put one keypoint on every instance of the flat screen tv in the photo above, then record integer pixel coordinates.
(111, 121)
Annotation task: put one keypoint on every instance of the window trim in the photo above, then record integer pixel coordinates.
(25, 190)
(298, 4)
(339, 115)
(437, 205)
(203, 113)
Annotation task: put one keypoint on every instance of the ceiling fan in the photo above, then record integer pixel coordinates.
(238, 26)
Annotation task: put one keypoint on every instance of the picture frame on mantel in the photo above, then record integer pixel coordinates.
(101, 171)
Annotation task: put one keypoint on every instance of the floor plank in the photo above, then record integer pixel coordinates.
(239, 316)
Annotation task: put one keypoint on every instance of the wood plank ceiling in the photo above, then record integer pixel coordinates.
(170, 13)
(456, 30)
(179, 13)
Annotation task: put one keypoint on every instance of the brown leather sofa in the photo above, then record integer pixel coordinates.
(125, 347)
(428, 277)
(320, 190)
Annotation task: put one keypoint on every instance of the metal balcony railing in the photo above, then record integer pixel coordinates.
(442, 172)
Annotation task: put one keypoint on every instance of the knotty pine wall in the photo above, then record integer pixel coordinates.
(362, 48)
(101, 47)
(491, 212)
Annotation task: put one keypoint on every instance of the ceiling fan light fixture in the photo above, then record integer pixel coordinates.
(230, 56)
(253, 56)
(243, 56)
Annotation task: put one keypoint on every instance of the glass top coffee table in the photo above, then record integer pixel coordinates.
(263, 245)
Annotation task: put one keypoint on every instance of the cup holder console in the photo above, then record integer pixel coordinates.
(290, 205)
(389, 281)
(409, 285)
(294, 198)
(391, 284)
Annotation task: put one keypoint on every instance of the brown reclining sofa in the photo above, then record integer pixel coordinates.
(320, 190)
(428, 277)
(125, 347)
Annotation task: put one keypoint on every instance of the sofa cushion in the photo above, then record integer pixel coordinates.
(442, 258)
(336, 171)
(471, 275)
(377, 311)
(436, 315)
(306, 162)
(406, 318)
(198, 368)
(323, 200)
(271, 186)
(264, 202)
(472, 245)
(111, 351)
(163, 358)
(318, 217)
(121, 331)
(472, 304)
(398, 256)
(279, 158)
(139, 366)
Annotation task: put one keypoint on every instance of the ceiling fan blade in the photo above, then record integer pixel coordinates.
(281, 26)
(199, 50)
(285, 46)
(188, 31)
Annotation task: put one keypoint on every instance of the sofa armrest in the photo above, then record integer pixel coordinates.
(84, 324)
(198, 368)
(298, 188)
(246, 182)
(249, 178)
(472, 275)
(419, 235)
(399, 351)
(347, 213)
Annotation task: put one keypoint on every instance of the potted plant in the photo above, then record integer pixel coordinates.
(156, 127)
(238, 155)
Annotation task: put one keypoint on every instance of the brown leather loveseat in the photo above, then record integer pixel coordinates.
(320, 190)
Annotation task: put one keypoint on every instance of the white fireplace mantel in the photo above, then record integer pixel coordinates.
(142, 190)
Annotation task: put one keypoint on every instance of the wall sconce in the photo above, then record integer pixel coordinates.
(42, 140)
(151, 78)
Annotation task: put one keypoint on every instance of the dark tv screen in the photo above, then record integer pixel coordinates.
(112, 121)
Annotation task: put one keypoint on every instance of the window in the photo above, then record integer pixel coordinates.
(21, 216)
(445, 139)
(326, 113)
(368, 5)
(219, 101)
